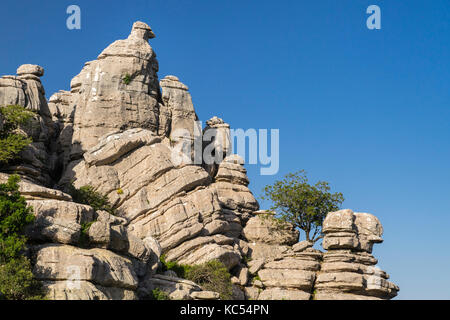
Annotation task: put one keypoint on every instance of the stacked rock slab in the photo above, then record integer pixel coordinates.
(103, 270)
(119, 130)
(349, 270)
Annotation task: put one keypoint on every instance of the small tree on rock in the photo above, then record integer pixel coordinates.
(302, 204)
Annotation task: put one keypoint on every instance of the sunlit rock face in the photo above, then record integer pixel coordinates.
(119, 90)
(123, 132)
(349, 270)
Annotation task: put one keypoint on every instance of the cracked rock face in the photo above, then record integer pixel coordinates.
(119, 129)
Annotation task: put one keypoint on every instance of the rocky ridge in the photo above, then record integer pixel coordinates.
(119, 130)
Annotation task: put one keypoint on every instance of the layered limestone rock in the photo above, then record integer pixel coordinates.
(231, 183)
(133, 139)
(176, 288)
(119, 90)
(62, 110)
(349, 270)
(279, 267)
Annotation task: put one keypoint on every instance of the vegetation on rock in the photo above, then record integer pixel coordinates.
(11, 141)
(87, 195)
(16, 278)
(212, 276)
(126, 79)
(302, 204)
(180, 269)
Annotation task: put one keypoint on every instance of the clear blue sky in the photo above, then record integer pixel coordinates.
(368, 111)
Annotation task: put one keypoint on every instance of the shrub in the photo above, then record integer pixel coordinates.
(16, 278)
(126, 79)
(180, 269)
(17, 282)
(11, 143)
(87, 195)
(212, 276)
(158, 294)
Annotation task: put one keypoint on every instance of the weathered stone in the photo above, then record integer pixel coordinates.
(264, 229)
(178, 289)
(30, 69)
(58, 221)
(84, 290)
(287, 278)
(256, 265)
(348, 270)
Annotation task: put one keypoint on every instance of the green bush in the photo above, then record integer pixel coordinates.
(16, 278)
(212, 276)
(158, 294)
(180, 269)
(87, 195)
(12, 143)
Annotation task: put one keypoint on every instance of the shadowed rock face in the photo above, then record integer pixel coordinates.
(119, 130)
(349, 270)
(26, 90)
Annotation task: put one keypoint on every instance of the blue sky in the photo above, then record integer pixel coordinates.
(366, 110)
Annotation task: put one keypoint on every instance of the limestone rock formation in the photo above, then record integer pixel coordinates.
(123, 132)
(349, 270)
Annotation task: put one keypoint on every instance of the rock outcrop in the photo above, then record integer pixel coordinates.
(123, 132)
(349, 270)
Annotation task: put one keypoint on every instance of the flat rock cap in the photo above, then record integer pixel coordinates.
(30, 69)
(142, 30)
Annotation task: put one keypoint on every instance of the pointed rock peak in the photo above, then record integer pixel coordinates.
(141, 30)
(30, 69)
(173, 78)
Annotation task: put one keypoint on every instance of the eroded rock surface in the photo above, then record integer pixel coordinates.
(129, 136)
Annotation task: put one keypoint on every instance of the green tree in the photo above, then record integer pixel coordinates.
(16, 278)
(304, 205)
(11, 141)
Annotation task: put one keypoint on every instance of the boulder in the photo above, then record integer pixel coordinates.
(265, 229)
